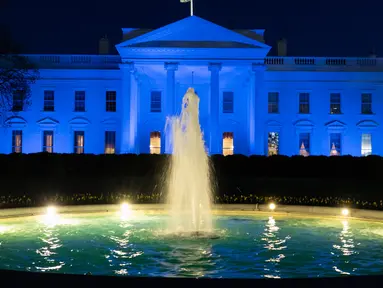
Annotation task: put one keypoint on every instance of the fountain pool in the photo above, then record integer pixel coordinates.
(190, 240)
(247, 245)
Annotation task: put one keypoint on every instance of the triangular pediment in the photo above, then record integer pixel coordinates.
(109, 121)
(273, 123)
(193, 44)
(303, 123)
(192, 32)
(47, 121)
(335, 124)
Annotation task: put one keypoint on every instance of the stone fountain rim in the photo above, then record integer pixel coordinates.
(220, 209)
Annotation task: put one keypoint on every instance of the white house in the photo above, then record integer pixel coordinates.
(249, 103)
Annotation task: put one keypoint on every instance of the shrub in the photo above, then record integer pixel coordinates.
(35, 179)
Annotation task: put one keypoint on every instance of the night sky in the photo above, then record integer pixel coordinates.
(312, 28)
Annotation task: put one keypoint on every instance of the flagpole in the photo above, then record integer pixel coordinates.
(191, 8)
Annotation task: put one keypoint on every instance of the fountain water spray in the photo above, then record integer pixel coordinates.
(189, 183)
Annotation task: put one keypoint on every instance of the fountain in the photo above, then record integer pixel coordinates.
(189, 186)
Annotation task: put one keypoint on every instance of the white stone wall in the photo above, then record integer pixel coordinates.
(236, 78)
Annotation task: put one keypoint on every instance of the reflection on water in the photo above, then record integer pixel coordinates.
(49, 250)
(182, 259)
(347, 242)
(122, 251)
(274, 246)
(248, 247)
(344, 250)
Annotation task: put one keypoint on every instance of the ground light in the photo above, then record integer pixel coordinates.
(51, 211)
(345, 212)
(51, 217)
(3, 229)
(272, 206)
(126, 211)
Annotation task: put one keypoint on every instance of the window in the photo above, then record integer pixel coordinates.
(335, 144)
(155, 142)
(155, 101)
(273, 143)
(79, 101)
(304, 103)
(18, 101)
(228, 144)
(111, 99)
(366, 145)
(335, 103)
(17, 141)
(110, 142)
(228, 102)
(273, 102)
(49, 100)
(304, 144)
(48, 141)
(366, 103)
(79, 142)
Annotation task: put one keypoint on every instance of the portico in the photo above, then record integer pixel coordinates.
(169, 60)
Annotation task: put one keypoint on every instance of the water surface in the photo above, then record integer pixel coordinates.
(246, 247)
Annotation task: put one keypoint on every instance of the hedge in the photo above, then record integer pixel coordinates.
(35, 179)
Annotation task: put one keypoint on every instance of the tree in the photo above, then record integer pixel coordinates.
(17, 74)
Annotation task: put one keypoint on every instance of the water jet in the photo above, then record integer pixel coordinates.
(189, 185)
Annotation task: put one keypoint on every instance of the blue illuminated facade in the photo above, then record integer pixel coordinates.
(249, 103)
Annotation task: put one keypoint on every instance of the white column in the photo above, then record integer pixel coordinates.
(134, 110)
(251, 113)
(215, 140)
(125, 99)
(170, 109)
(258, 111)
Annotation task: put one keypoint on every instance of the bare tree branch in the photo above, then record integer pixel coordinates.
(17, 74)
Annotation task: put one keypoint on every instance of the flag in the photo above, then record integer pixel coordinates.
(191, 5)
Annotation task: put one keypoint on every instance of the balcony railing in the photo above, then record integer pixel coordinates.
(272, 63)
(76, 61)
(324, 63)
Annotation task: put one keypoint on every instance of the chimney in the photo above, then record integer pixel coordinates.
(372, 53)
(282, 47)
(103, 46)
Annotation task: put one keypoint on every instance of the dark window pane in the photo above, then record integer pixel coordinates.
(111, 99)
(155, 101)
(228, 102)
(79, 101)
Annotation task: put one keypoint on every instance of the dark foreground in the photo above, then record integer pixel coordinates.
(30, 279)
(71, 179)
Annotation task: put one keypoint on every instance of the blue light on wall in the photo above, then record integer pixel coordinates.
(164, 62)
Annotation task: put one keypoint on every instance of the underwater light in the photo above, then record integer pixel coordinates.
(345, 212)
(51, 217)
(272, 206)
(3, 229)
(125, 210)
(51, 211)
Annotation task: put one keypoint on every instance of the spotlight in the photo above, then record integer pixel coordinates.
(51, 211)
(272, 206)
(345, 212)
(126, 210)
(51, 217)
(125, 207)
